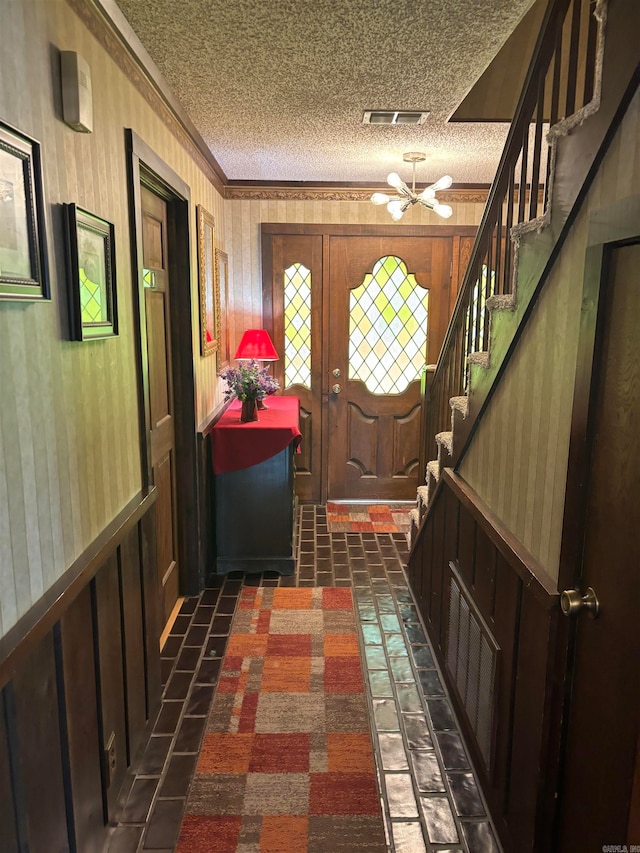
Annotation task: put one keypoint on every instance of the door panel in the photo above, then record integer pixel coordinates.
(307, 251)
(604, 716)
(374, 439)
(162, 439)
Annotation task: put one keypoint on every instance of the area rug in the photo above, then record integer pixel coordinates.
(286, 764)
(368, 518)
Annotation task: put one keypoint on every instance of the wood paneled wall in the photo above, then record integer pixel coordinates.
(517, 461)
(82, 670)
(69, 444)
(242, 238)
(514, 603)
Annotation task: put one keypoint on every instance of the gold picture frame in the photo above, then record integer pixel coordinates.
(208, 284)
(222, 279)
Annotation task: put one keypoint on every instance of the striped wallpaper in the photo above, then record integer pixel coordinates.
(69, 448)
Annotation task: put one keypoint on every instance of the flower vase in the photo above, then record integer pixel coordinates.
(249, 411)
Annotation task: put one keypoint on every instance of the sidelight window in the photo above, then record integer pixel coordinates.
(297, 326)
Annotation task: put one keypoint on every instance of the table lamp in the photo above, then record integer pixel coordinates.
(256, 345)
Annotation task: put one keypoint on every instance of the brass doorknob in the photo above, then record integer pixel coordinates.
(336, 389)
(572, 602)
(336, 372)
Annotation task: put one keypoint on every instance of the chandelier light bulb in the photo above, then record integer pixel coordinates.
(427, 194)
(394, 180)
(380, 198)
(396, 208)
(443, 184)
(443, 210)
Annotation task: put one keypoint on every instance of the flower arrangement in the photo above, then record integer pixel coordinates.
(248, 382)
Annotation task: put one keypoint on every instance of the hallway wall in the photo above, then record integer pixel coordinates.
(69, 446)
(517, 461)
(243, 218)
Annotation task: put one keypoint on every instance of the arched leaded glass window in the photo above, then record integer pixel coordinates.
(297, 326)
(388, 328)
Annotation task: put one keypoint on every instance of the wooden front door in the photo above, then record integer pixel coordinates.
(598, 805)
(162, 438)
(385, 292)
(358, 442)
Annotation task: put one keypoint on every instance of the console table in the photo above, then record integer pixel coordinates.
(254, 496)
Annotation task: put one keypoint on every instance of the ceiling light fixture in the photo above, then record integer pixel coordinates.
(398, 205)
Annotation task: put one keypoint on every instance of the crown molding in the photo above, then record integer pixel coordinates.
(280, 192)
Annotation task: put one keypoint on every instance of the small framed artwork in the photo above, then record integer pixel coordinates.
(92, 277)
(209, 290)
(23, 249)
(222, 277)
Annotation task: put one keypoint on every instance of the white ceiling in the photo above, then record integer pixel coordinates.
(277, 88)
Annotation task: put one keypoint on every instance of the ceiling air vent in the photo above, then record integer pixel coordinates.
(395, 116)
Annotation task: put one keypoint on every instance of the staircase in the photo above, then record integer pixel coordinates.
(536, 191)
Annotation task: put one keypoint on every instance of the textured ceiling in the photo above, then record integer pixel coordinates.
(277, 88)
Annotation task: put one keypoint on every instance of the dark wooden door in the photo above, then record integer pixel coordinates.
(374, 438)
(603, 726)
(162, 438)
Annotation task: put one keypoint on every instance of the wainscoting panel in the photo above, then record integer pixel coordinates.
(80, 674)
(490, 611)
(77, 687)
(34, 734)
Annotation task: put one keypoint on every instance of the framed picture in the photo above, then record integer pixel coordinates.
(222, 277)
(92, 277)
(209, 289)
(23, 249)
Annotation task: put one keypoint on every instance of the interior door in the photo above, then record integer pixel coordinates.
(596, 805)
(385, 292)
(162, 438)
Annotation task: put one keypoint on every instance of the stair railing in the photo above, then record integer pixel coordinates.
(559, 81)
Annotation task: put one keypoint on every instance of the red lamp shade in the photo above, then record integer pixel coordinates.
(257, 344)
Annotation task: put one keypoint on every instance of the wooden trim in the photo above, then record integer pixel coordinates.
(331, 230)
(146, 167)
(274, 191)
(19, 642)
(205, 426)
(531, 572)
(172, 618)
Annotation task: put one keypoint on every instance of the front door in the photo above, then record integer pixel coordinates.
(388, 309)
(599, 807)
(162, 438)
(352, 356)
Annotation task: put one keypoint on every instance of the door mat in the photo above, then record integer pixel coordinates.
(286, 762)
(368, 518)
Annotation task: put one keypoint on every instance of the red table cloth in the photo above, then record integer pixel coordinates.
(237, 445)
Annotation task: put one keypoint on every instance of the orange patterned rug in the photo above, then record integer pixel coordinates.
(286, 764)
(368, 518)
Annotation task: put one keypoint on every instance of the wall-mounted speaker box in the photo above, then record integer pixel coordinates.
(77, 99)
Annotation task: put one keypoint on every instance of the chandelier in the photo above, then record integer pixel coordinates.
(398, 205)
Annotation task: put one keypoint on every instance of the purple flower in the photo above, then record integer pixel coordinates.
(248, 382)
